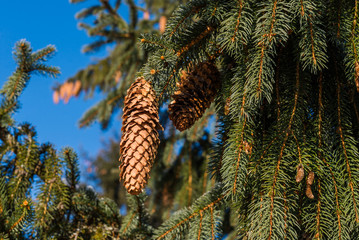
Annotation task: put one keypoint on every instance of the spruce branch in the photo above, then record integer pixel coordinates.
(29, 62)
(346, 151)
(180, 221)
(236, 29)
(182, 16)
(313, 42)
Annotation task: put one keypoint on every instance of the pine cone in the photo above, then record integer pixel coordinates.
(195, 94)
(310, 178)
(300, 173)
(309, 192)
(139, 143)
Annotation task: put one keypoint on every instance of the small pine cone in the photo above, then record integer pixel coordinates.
(139, 143)
(195, 93)
(309, 192)
(300, 173)
(310, 178)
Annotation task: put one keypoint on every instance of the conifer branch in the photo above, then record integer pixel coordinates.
(212, 223)
(355, 107)
(344, 148)
(28, 63)
(313, 43)
(318, 228)
(129, 222)
(286, 210)
(106, 4)
(240, 3)
(47, 199)
(133, 14)
(240, 148)
(200, 225)
(191, 216)
(155, 43)
(185, 48)
(203, 204)
(263, 154)
(353, 29)
(338, 212)
(321, 156)
(298, 147)
(354, 49)
(271, 28)
(269, 36)
(272, 192)
(18, 221)
(186, 12)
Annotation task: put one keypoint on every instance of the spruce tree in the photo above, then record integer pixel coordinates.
(284, 160)
(289, 70)
(40, 193)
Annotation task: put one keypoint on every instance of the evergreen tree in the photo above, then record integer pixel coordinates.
(40, 194)
(284, 161)
(289, 71)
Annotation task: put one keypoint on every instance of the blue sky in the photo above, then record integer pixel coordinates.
(43, 22)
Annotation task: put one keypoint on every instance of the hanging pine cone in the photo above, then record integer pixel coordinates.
(309, 192)
(139, 143)
(310, 178)
(300, 173)
(195, 93)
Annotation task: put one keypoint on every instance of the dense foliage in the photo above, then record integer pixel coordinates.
(289, 73)
(288, 102)
(40, 195)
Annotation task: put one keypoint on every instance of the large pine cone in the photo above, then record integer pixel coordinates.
(139, 143)
(195, 94)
